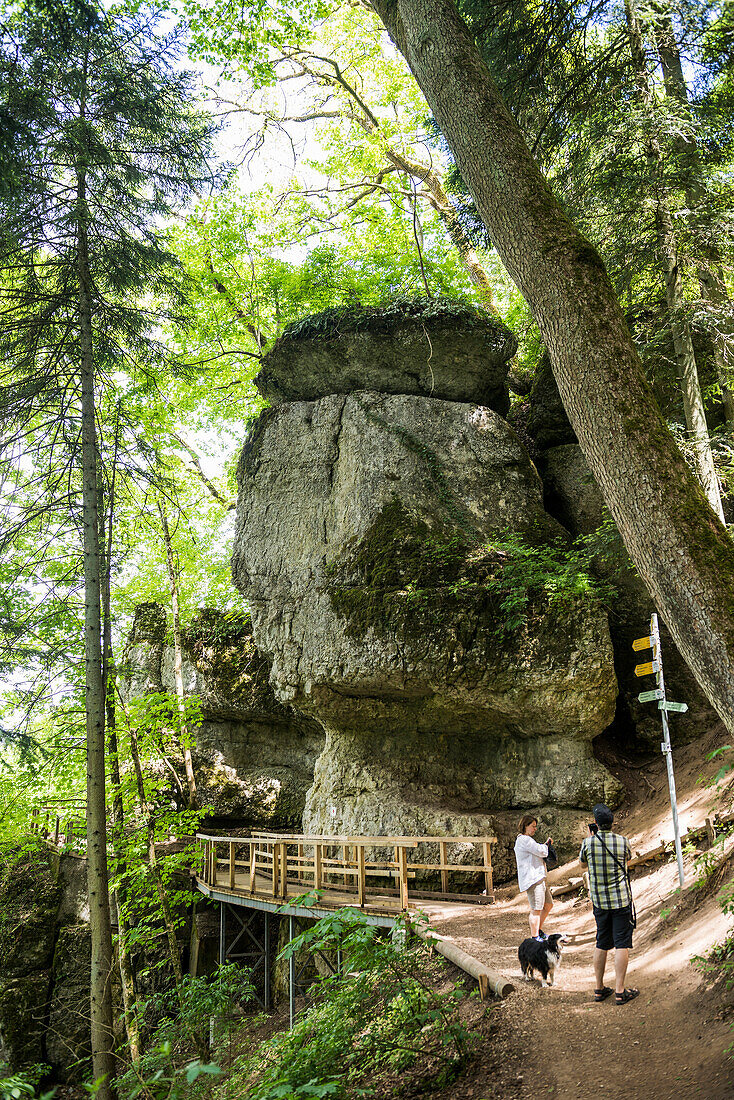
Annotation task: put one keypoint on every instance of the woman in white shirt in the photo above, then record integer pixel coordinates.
(531, 872)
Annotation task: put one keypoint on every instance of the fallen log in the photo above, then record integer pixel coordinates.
(489, 980)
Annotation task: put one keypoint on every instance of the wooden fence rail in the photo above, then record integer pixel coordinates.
(61, 822)
(352, 867)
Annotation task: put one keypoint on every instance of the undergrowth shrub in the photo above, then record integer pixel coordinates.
(166, 1070)
(384, 1017)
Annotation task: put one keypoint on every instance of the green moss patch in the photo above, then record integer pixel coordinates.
(221, 645)
(331, 323)
(408, 576)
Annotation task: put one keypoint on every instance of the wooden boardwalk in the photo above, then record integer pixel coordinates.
(380, 875)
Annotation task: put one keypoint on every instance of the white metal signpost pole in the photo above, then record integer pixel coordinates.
(656, 666)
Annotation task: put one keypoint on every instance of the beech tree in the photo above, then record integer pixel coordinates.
(679, 547)
(112, 141)
(677, 543)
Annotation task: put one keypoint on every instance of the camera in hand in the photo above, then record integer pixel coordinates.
(593, 827)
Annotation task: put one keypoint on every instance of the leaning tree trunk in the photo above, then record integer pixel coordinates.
(678, 545)
(669, 259)
(102, 1037)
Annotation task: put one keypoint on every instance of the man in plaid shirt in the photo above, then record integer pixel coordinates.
(606, 854)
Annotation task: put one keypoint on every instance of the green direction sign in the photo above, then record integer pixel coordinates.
(650, 696)
(666, 705)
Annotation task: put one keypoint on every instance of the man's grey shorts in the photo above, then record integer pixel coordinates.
(536, 895)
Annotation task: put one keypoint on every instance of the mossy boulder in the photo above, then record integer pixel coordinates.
(68, 1042)
(253, 755)
(430, 348)
(383, 544)
(23, 1016)
(29, 903)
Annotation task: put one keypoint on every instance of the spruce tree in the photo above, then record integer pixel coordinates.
(100, 139)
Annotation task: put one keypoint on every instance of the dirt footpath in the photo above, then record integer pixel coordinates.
(671, 1042)
(668, 1044)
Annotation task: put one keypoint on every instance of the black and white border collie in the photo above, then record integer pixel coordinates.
(541, 955)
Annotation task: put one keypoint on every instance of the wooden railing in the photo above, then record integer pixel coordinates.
(272, 864)
(61, 822)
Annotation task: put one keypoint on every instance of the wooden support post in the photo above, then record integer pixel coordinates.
(291, 974)
(360, 875)
(317, 868)
(710, 833)
(56, 831)
(253, 865)
(443, 861)
(214, 863)
(489, 885)
(231, 865)
(266, 967)
(284, 870)
(345, 856)
(403, 878)
(276, 867)
(194, 943)
(301, 870)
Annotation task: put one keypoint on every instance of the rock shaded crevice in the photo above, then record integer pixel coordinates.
(575, 499)
(44, 962)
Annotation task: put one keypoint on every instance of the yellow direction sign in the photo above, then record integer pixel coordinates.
(643, 643)
(647, 669)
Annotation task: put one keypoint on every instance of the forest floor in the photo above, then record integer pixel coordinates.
(676, 1040)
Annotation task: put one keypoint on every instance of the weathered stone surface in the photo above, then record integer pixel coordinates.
(363, 547)
(254, 756)
(547, 422)
(452, 354)
(574, 497)
(74, 901)
(67, 1041)
(23, 1004)
(144, 651)
(29, 900)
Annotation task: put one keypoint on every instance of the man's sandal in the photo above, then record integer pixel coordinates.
(603, 993)
(626, 996)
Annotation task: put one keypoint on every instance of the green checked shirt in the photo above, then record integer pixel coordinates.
(609, 889)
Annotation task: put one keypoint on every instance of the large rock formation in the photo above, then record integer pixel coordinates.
(381, 544)
(254, 756)
(44, 961)
(427, 348)
(573, 495)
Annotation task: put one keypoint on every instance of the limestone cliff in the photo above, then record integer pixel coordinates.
(373, 546)
(254, 756)
(573, 495)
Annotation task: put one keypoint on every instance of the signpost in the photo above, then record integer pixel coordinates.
(655, 667)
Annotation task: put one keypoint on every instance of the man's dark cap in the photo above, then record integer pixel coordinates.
(602, 814)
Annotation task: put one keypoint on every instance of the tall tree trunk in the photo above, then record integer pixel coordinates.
(102, 1038)
(109, 676)
(155, 871)
(708, 255)
(677, 543)
(185, 736)
(668, 251)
